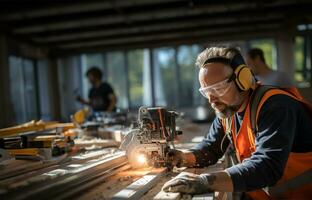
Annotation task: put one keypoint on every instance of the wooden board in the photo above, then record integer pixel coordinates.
(95, 143)
(138, 188)
(167, 196)
(208, 196)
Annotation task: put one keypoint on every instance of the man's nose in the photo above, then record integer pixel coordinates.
(212, 98)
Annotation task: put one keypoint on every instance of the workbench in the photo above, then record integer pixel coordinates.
(121, 180)
(95, 175)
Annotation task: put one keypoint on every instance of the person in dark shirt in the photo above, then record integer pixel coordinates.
(101, 95)
(266, 155)
(267, 76)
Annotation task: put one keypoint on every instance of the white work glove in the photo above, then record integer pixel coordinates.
(190, 183)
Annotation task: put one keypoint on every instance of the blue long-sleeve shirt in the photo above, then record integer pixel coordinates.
(284, 126)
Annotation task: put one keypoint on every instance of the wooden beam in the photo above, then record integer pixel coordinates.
(157, 13)
(65, 178)
(203, 40)
(81, 7)
(143, 15)
(6, 108)
(163, 26)
(137, 189)
(167, 36)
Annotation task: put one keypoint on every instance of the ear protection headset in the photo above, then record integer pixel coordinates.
(242, 75)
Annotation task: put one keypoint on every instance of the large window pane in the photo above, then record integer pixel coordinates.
(139, 78)
(299, 58)
(30, 89)
(188, 74)
(69, 81)
(44, 90)
(23, 89)
(269, 48)
(165, 77)
(117, 77)
(17, 89)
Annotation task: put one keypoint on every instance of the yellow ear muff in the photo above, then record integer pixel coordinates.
(244, 77)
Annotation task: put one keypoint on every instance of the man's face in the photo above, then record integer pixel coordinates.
(92, 79)
(227, 99)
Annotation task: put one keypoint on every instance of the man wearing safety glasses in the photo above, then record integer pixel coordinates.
(269, 128)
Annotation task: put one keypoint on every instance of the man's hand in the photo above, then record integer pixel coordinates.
(190, 183)
(174, 158)
(179, 158)
(81, 100)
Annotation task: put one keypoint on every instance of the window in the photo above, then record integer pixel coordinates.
(139, 78)
(30, 89)
(268, 46)
(188, 75)
(299, 58)
(117, 77)
(23, 89)
(165, 78)
(45, 83)
(69, 81)
(302, 60)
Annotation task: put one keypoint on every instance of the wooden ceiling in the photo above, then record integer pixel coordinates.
(81, 26)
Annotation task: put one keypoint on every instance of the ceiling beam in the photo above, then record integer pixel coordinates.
(167, 36)
(165, 26)
(144, 15)
(158, 14)
(74, 8)
(202, 40)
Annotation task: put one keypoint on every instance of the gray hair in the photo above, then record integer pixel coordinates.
(225, 52)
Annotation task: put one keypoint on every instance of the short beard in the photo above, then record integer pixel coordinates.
(227, 112)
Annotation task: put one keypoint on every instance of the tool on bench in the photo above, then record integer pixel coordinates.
(149, 143)
(50, 139)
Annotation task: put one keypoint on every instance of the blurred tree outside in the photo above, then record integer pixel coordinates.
(299, 58)
(165, 77)
(117, 77)
(136, 62)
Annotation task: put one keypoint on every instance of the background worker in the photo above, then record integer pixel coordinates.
(267, 76)
(267, 154)
(101, 95)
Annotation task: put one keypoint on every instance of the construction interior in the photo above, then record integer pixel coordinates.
(54, 147)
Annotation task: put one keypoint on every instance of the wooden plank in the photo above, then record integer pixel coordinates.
(208, 196)
(62, 179)
(26, 127)
(138, 188)
(167, 196)
(95, 143)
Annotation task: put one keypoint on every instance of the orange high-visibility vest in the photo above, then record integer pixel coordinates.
(296, 182)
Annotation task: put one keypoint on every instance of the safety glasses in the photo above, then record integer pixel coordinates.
(218, 90)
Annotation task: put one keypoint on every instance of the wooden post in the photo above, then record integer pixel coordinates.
(6, 109)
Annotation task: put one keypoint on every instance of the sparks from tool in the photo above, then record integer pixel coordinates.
(141, 159)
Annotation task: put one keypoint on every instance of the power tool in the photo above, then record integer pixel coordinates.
(149, 142)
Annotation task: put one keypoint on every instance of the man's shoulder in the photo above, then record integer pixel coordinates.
(106, 88)
(280, 101)
(282, 78)
(105, 85)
